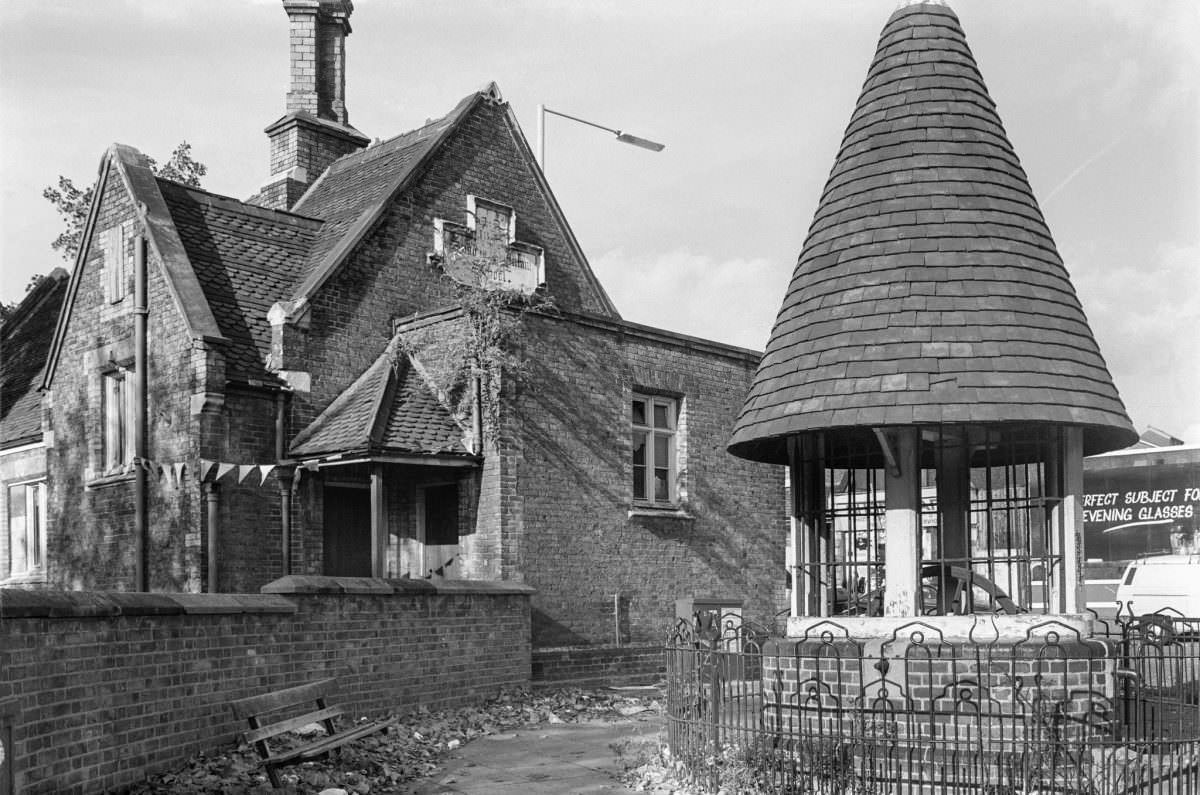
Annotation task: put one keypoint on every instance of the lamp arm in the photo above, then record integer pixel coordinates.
(581, 121)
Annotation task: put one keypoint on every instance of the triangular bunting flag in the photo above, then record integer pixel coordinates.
(205, 468)
(264, 470)
(224, 469)
(245, 470)
(177, 470)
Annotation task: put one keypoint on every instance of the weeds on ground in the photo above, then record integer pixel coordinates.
(388, 763)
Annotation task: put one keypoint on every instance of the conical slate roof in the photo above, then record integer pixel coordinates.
(929, 289)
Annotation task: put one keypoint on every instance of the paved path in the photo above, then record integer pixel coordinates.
(548, 759)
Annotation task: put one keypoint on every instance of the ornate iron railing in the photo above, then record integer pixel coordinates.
(1049, 712)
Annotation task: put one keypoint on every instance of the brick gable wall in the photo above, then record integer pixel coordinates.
(90, 537)
(389, 275)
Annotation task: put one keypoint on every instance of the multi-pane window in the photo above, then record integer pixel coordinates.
(118, 419)
(26, 527)
(654, 469)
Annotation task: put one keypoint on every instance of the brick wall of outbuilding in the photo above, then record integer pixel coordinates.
(582, 542)
(556, 495)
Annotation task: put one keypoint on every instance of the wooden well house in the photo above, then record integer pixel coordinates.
(931, 379)
(933, 386)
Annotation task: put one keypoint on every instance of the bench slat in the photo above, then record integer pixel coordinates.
(269, 702)
(326, 744)
(291, 724)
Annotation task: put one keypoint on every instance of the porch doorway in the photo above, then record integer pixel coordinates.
(437, 529)
(347, 520)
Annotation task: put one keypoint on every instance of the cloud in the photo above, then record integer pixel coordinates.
(1146, 318)
(733, 301)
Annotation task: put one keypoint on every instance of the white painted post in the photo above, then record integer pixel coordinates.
(378, 523)
(1067, 519)
(902, 503)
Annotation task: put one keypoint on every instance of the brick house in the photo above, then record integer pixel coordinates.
(24, 341)
(305, 403)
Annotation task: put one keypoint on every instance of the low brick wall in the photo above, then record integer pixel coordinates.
(106, 688)
(591, 666)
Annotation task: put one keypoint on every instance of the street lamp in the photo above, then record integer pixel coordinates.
(623, 137)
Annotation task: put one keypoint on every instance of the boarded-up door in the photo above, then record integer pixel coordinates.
(439, 529)
(347, 532)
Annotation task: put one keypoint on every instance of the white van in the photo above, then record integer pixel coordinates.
(1170, 582)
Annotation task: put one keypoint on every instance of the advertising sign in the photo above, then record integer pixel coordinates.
(1142, 510)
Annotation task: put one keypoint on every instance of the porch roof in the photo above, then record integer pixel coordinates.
(388, 411)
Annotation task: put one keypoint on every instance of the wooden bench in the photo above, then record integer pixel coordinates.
(272, 714)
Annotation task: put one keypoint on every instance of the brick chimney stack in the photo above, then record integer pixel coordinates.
(318, 57)
(316, 129)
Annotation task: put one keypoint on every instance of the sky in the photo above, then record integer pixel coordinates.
(1100, 98)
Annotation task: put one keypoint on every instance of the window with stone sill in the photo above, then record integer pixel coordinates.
(654, 436)
(26, 528)
(118, 418)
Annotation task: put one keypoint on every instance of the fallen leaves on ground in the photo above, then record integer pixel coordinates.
(384, 763)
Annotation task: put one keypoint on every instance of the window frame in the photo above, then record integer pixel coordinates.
(34, 502)
(117, 427)
(649, 499)
(115, 264)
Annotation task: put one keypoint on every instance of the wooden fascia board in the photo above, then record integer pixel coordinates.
(369, 217)
(556, 211)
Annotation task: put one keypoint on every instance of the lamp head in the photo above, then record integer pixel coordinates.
(642, 142)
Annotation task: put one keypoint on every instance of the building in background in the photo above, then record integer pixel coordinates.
(1143, 500)
(24, 341)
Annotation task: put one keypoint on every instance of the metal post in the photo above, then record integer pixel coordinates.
(285, 484)
(541, 137)
(212, 507)
(140, 311)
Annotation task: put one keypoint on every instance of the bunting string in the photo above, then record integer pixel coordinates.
(173, 474)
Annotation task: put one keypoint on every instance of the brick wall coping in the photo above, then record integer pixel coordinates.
(599, 649)
(611, 325)
(982, 628)
(22, 603)
(311, 584)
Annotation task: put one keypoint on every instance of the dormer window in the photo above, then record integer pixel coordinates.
(485, 251)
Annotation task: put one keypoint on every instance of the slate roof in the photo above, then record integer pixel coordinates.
(244, 257)
(25, 340)
(354, 190)
(389, 409)
(929, 288)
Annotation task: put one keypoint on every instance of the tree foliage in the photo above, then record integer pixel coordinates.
(73, 203)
